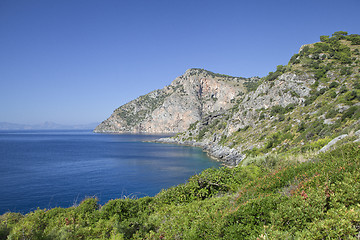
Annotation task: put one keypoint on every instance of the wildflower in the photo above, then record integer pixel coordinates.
(304, 195)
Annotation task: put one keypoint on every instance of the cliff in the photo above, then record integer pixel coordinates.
(172, 109)
(299, 108)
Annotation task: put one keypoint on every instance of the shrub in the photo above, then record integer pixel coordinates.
(324, 38)
(261, 116)
(321, 73)
(202, 133)
(356, 85)
(343, 89)
(294, 60)
(7, 222)
(331, 113)
(349, 96)
(281, 117)
(290, 107)
(301, 127)
(273, 140)
(333, 85)
(250, 218)
(345, 71)
(277, 109)
(209, 183)
(332, 93)
(354, 38)
(272, 76)
(352, 112)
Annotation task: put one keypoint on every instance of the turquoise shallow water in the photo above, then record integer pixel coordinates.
(49, 169)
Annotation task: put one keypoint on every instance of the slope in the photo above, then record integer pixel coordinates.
(300, 107)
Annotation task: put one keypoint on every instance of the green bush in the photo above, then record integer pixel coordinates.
(354, 38)
(7, 222)
(356, 84)
(332, 93)
(352, 113)
(351, 96)
(294, 60)
(277, 109)
(281, 117)
(343, 89)
(331, 113)
(324, 38)
(301, 127)
(333, 85)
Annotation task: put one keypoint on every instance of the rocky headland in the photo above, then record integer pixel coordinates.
(172, 109)
(300, 107)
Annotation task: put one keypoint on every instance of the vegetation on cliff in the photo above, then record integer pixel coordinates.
(286, 187)
(299, 107)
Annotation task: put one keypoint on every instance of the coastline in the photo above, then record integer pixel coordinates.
(228, 156)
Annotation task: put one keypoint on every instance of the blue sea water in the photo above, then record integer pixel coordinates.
(49, 169)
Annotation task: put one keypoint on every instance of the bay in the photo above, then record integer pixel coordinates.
(47, 169)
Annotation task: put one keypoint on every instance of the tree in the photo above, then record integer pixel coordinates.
(354, 38)
(324, 38)
(339, 35)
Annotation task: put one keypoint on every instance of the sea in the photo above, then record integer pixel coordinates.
(46, 169)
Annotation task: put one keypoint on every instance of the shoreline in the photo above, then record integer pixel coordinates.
(227, 156)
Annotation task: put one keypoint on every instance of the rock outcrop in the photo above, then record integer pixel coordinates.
(332, 143)
(229, 156)
(213, 129)
(172, 109)
(289, 88)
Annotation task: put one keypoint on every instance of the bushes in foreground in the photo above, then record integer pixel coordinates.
(317, 199)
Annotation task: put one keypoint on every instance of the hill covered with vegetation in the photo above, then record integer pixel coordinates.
(301, 106)
(294, 181)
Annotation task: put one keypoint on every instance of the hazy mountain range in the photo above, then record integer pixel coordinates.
(44, 126)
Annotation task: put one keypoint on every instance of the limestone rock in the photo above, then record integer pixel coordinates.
(172, 109)
(332, 142)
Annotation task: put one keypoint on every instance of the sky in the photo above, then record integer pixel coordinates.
(76, 61)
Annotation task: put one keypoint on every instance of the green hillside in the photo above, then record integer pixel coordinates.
(321, 103)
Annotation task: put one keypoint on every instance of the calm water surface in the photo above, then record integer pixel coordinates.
(49, 169)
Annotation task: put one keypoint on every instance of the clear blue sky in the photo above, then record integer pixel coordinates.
(75, 61)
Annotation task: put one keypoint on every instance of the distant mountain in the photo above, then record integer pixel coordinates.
(44, 126)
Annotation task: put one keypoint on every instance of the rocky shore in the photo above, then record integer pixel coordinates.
(228, 156)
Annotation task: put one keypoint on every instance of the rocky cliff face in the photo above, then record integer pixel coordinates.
(299, 108)
(172, 109)
(216, 133)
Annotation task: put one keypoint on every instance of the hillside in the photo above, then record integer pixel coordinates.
(172, 109)
(293, 140)
(300, 107)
